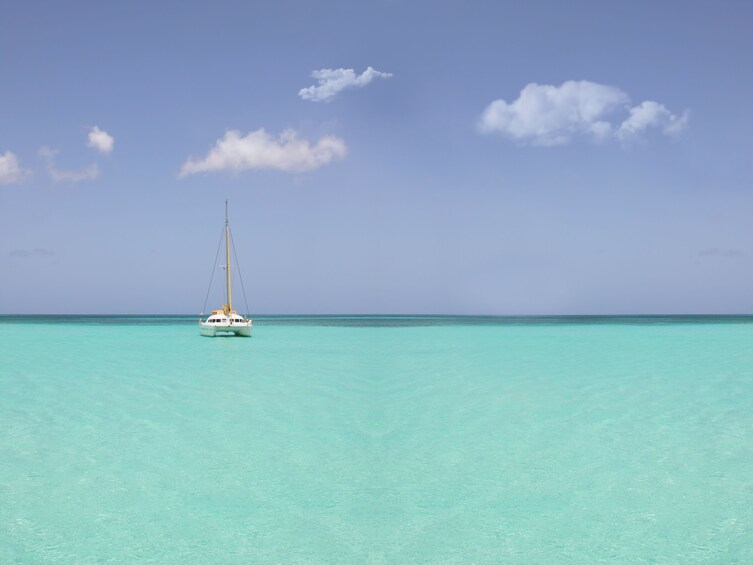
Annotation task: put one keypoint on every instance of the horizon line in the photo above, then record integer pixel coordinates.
(367, 315)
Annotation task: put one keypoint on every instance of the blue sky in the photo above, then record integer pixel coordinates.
(498, 158)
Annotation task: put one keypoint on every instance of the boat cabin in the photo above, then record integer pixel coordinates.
(219, 317)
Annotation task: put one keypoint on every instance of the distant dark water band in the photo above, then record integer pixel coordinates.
(386, 321)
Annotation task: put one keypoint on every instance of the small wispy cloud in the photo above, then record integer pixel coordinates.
(548, 115)
(651, 114)
(717, 252)
(10, 171)
(74, 176)
(333, 81)
(100, 140)
(36, 252)
(260, 150)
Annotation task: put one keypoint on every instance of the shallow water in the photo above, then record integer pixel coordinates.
(381, 440)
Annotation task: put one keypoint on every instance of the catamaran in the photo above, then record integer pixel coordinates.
(226, 320)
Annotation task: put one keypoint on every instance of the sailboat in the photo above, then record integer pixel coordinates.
(226, 320)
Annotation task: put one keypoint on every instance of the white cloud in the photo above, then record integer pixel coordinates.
(332, 81)
(87, 173)
(547, 115)
(544, 114)
(651, 114)
(100, 140)
(260, 150)
(10, 171)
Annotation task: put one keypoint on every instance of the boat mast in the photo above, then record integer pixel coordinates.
(227, 247)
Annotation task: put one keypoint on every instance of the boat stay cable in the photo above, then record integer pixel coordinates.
(214, 267)
(238, 268)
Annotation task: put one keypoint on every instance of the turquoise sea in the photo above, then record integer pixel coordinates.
(377, 440)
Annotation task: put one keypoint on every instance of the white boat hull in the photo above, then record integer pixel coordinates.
(214, 330)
